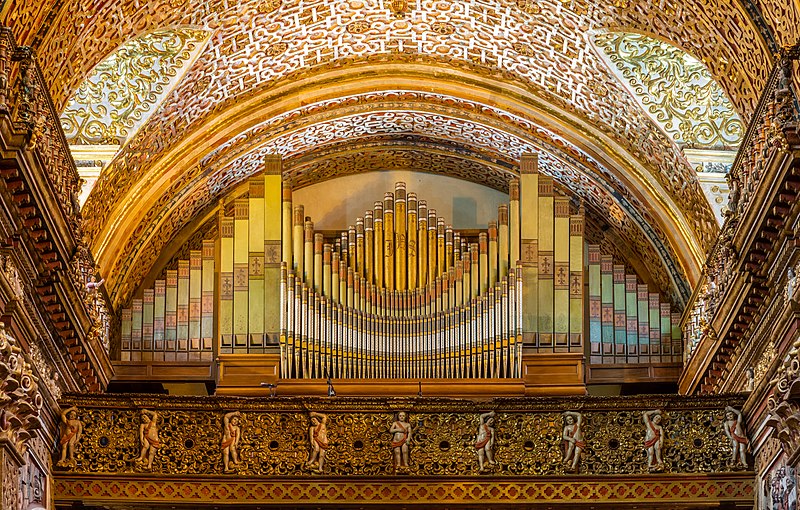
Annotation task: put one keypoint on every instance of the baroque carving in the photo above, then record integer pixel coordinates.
(484, 441)
(20, 400)
(318, 441)
(148, 438)
(233, 164)
(653, 440)
(71, 430)
(125, 88)
(574, 443)
(362, 439)
(231, 435)
(675, 88)
(402, 439)
(735, 431)
(783, 403)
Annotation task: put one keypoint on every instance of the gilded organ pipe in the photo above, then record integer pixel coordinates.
(398, 294)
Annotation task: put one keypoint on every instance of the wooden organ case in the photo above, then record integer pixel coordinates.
(400, 303)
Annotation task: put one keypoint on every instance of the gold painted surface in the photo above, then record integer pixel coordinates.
(125, 88)
(274, 435)
(232, 163)
(646, 491)
(550, 30)
(675, 89)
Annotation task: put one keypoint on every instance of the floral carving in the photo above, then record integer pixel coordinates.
(116, 99)
(675, 89)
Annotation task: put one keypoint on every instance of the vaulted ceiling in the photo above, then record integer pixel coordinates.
(455, 87)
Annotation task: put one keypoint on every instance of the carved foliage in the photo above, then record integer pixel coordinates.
(20, 400)
(274, 440)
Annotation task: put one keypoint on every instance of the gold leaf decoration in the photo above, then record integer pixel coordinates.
(126, 86)
(675, 89)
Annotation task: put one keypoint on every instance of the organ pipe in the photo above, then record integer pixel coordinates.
(400, 293)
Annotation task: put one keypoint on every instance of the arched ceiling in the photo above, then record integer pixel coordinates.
(463, 87)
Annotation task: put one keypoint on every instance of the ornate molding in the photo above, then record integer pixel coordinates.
(562, 492)
(143, 435)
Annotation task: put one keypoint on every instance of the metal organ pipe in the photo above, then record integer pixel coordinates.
(399, 295)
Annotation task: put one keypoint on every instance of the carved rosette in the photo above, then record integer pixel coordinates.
(20, 399)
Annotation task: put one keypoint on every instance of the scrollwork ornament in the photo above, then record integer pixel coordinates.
(20, 400)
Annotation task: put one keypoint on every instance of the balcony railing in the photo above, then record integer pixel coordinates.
(777, 109)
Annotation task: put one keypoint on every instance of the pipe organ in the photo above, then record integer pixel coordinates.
(628, 324)
(174, 320)
(400, 293)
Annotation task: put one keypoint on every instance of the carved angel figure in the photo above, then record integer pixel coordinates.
(484, 441)
(148, 437)
(401, 440)
(653, 439)
(71, 431)
(318, 439)
(573, 440)
(735, 430)
(231, 433)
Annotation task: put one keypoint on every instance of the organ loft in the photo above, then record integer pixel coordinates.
(477, 254)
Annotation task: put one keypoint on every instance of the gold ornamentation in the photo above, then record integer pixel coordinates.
(125, 88)
(443, 28)
(363, 438)
(47, 375)
(675, 89)
(236, 160)
(358, 26)
(764, 362)
(277, 49)
(529, 6)
(268, 6)
(645, 489)
(20, 400)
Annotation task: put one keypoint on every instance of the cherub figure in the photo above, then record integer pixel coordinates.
(402, 437)
(734, 429)
(484, 441)
(148, 436)
(653, 439)
(70, 435)
(318, 439)
(92, 285)
(231, 433)
(573, 440)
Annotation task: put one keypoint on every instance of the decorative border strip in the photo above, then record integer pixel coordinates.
(665, 489)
